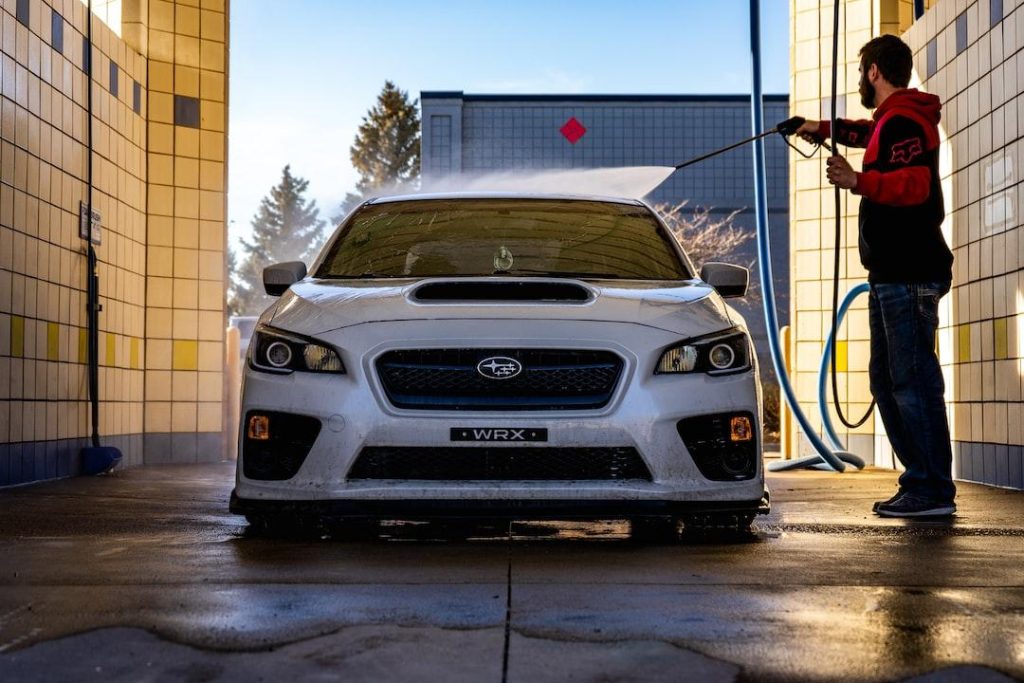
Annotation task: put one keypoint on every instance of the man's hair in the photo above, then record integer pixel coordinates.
(892, 56)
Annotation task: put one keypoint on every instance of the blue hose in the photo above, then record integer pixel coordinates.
(833, 459)
(826, 356)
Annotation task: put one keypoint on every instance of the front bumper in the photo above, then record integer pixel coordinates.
(643, 414)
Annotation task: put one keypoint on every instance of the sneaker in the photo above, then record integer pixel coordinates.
(910, 505)
(895, 497)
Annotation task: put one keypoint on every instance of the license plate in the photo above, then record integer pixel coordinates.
(498, 434)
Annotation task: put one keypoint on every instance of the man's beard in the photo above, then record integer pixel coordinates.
(867, 92)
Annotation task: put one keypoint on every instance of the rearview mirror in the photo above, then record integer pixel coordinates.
(280, 276)
(729, 280)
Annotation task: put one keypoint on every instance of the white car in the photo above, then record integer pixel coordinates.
(502, 356)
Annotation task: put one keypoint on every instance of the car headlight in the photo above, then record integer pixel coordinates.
(718, 354)
(274, 351)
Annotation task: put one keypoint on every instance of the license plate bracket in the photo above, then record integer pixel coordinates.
(499, 434)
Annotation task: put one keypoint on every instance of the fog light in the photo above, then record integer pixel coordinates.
(722, 356)
(259, 427)
(740, 429)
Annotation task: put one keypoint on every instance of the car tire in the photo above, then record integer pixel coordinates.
(656, 530)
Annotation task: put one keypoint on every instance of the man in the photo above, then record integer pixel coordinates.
(909, 268)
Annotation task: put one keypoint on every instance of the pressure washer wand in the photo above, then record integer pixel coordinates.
(785, 129)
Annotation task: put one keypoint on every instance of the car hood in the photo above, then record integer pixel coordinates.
(314, 307)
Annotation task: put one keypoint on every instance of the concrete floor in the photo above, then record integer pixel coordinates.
(143, 575)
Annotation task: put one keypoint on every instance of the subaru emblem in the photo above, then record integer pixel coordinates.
(499, 367)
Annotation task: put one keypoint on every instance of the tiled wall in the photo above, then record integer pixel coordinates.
(968, 53)
(150, 328)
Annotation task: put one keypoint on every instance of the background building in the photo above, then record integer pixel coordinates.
(159, 84)
(968, 53)
(475, 134)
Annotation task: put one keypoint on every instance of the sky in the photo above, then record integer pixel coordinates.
(305, 72)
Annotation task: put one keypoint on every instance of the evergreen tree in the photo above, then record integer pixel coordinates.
(287, 227)
(386, 151)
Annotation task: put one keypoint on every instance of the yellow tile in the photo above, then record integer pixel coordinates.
(52, 341)
(186, 51)
(160, 261)
(964, 334)
(186, 233)
(186, 80)
(161, 231)
(186, 263)
(134, 354)
(212, 55)
(161, 107)
(158, 417)
(186, 202)
(111, 350)
(186, 20)
(186, 141)
(161, 15)
(183, 417)
(161, 46)
(161, 169)
(161, 138)
(209, 417)
(211, 115)
(161, 200)
(212, 25)
(186, 354)
(186, 172)
(211, 205)
(161, 77)
(999, 330)
(211, 176)
(211, 145)
(17, 336)
(211, 86)
(841, 356)
(83, 345)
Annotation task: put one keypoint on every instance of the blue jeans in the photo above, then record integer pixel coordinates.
(907, 384)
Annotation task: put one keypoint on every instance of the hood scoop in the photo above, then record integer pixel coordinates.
(542, 291)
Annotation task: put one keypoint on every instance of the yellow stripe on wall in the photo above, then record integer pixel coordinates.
(111, 350)
(17, 336)
(83, 345)
(1001, 339)
(185, 355)
(964, 335)
(52, 341)
(135, 354)
(841, 356)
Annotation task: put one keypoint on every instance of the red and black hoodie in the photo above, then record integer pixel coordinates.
(901, 208)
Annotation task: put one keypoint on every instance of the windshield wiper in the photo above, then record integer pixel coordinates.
(581, 274)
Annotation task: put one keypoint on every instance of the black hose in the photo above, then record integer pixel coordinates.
(92, 283)
(839, 241)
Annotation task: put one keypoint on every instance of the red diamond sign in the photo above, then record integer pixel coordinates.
(573, 130)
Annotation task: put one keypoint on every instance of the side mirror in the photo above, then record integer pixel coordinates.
(729, 280)
(280, 276)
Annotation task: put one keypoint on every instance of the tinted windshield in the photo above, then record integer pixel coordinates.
(527, 237)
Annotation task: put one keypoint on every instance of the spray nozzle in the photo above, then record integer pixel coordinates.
(790, 125)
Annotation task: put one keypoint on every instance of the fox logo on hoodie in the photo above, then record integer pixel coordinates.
(904, 152)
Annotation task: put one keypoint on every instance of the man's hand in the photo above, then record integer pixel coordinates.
(809, 131)
(840, 173)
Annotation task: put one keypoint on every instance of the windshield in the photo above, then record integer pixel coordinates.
(521, 237)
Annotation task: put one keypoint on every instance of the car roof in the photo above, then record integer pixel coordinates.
(505, 195)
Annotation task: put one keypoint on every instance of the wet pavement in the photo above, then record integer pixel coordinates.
(144, 575)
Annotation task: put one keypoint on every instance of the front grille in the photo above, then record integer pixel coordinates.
(447, 379)
(492, 463)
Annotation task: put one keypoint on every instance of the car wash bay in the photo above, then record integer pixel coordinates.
(144, 575)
